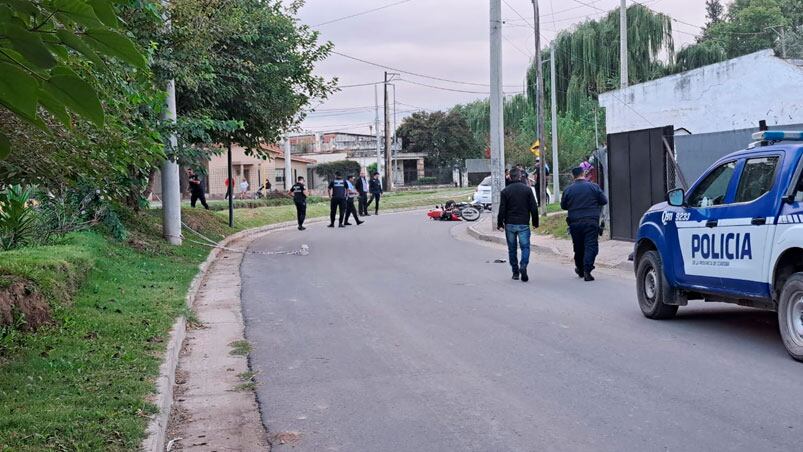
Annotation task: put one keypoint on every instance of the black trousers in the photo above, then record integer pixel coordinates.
(337, 205)
(585, 238)
(363, 203)
(351, 210)
(301, 212)
(198, 196)
(374, 197)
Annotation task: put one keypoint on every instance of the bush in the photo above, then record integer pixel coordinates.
(17, 217)
(426, 181)
(344, 167)
(76, 210)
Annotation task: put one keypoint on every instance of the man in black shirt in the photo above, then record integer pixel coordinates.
(363, 186)
(375, 187)
(196, 190)
(299, 192)
(584, 201)
(337, 199)
(517, 207)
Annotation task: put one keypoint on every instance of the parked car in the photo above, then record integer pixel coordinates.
(736, 237)
(483, 193)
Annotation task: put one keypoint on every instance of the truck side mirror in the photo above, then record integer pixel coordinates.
(676, 197)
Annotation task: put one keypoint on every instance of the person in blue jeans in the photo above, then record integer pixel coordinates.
(517, 208)
(583, 200)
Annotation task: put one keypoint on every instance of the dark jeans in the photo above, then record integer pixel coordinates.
(363, 203)
(518, 235)
(337, 204)
(301, 212)
(374, 197)
(198, 196)
(585, 238)
(351, 210)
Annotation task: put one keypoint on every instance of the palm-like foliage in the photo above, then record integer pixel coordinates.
(17, 218)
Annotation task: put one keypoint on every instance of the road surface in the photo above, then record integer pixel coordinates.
(397, 335)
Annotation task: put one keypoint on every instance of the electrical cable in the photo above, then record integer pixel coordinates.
(362, 13)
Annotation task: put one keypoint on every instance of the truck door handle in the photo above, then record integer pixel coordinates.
(711, 223)
(759, 221)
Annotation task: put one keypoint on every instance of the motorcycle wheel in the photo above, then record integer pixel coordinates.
(470, 213)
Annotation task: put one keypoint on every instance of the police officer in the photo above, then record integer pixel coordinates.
(299, 191)
(375, 188)
(338, 190)
(584, 201)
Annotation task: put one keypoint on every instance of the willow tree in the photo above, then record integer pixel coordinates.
(587, 57)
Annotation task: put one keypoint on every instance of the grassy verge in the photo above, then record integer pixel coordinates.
(81, 382)
(554, 225)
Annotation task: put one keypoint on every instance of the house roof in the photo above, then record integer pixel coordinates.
(278, 154)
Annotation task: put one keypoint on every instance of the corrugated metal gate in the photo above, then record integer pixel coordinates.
(637, 176)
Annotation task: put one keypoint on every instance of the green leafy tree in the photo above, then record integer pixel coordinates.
(445, 137)
(40, 44)
(713, 12)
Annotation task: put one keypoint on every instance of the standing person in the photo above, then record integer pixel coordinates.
(337, 199)
(196, 190)
(267, 186)
(363, 187)
(244, 188)
(507, 177)
(229, 183)
(537, 178)
(350, 195)
(584, 201)
(375, 187)
(517, 208)
(299, 191)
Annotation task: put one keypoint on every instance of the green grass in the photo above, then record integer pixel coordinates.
(554, 225)
(82, 383)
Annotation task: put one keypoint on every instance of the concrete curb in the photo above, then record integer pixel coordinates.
(474, 232)
(156, 432)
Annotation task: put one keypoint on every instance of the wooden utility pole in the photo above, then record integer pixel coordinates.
(554, 93)
(388, 186)
(539, 112)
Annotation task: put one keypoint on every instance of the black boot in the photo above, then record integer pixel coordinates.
(587, 276)
(524, 276)
(579, 272)
(516, 274)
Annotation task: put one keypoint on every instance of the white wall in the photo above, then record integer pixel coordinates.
(734, 94)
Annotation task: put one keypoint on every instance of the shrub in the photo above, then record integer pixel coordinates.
(345, 167)
(426, 181)
(17, 217)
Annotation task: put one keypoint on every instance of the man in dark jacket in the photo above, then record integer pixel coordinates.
(363, 187)
(375, 187)
(584, 201)
(517, 208)
(196, 189)
(299, 192)
(338, 192)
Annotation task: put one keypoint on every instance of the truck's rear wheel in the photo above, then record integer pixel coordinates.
(790, 315)
(653, 288)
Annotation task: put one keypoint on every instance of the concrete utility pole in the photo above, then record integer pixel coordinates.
(171, 187)
(554, 93)
(376, 127)
(388, 155)
(230, 184)
(623, 52)
(497, 110)
(288, 164)
(539, 109)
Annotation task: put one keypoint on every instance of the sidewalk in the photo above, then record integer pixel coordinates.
(612, 253)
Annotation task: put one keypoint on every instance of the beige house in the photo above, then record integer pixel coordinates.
(253, 169)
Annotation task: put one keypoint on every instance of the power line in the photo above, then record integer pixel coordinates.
(390, 68)
(362, 13)
(359, 84)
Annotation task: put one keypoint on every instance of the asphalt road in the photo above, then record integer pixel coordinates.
(396, 336)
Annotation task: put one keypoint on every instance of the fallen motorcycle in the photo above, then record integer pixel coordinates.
(452, 211)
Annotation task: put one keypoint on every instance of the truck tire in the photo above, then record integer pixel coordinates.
(790, 315)
(653, 288)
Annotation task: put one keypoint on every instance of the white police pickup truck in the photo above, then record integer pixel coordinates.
(736, 237)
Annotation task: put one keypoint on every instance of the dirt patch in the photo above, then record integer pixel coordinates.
(289, 438)
(23, 307)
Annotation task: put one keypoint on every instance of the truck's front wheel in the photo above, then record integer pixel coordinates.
(653, 288)
(790, 315)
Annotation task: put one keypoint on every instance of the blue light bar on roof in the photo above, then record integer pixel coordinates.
(778, 135)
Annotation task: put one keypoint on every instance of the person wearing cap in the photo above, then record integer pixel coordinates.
(583, 200)
(517, 207)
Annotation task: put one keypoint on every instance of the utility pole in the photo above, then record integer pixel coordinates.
(554, 93)
(623, 52)
(288, 164)
(229, 183)
(497, 110)
(596, 129)
(376, 127)
(388, 156)
(171, 188)
(539, 110)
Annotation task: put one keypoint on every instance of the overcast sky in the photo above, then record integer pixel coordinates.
(446, 39)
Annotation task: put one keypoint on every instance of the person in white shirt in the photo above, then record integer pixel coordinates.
(243, 188)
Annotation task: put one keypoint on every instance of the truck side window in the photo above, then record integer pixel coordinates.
(712, 190)
(757, 178)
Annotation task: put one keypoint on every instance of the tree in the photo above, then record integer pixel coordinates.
(40, 45)
(344, 167)
(444, 137)
(713, 12)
